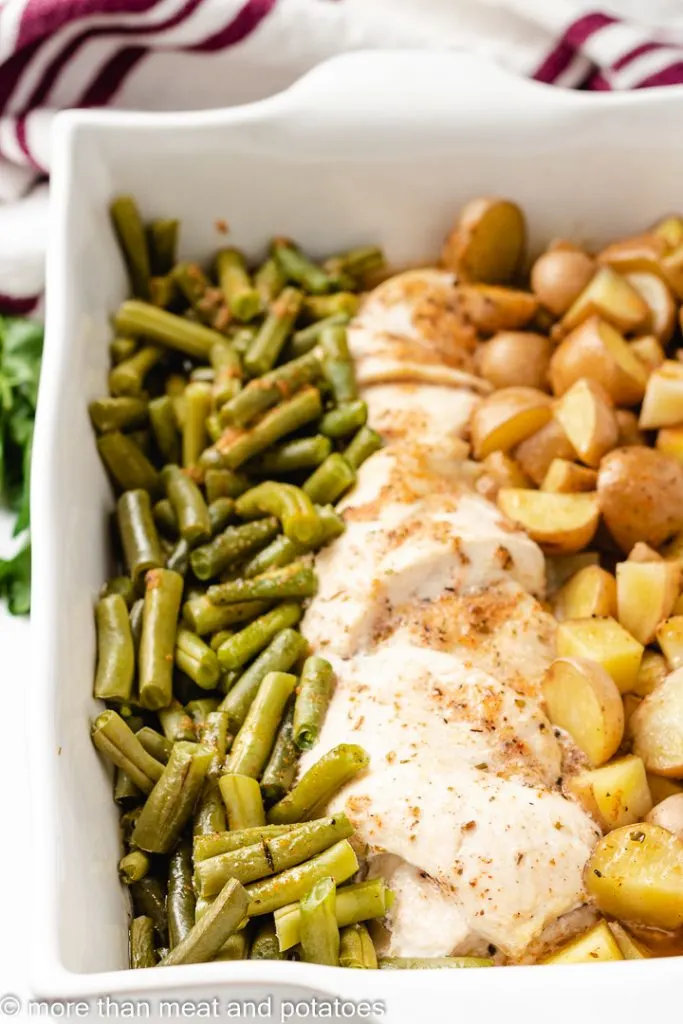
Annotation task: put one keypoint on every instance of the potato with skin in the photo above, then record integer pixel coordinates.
(536, 454)
(668, 814)
(507, 417)
(649, 350)
(660, 302)
(642, 552)
(635, 874)
(606, 643)
(670, 231)
(582, 698)
(488, 242)
(560, 523)
(646, 594)
(672, 266)
(516, 358)
(594, 946)
(670, 639)
(631, 703)
(559, 276)
(629, 431)
(590, 592)
(661, 788)
(663, 401)
(670, 442)
(598, 351)
(609, 295)
(657, 728)
(673, 549)
(565, 477)
(586, 414)
(499, 470)
(492, 308)
(639, 254)
(653, 670)
(616, 794)
(640, 492)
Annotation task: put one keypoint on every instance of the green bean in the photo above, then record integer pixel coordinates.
(213, 427)
(155, 744)
(254, 741)
(221, 512)
(133, 866)
(165, 518)
(143, 439)
(210, 818)
(130, 234)
(364, 444)
(180, 902)
(179, 558)
(207, 846)
(189, 507)
(243, 300)
(165, 428)
(215, 735)
(127, 465)
(321, 781)
(242, 338)
(127, 823)
(234, 544)
(269, 282)
(127, 378)
(338, 366)
(209, 934)
(302, 453)
(117, 413)
(329, 481)
(230, 676)
(200, 709)
(176, 723)
(206, 617)
(236, 446)
(251, 640)
(227, 373)
(122, 348)
(192, 339)
(208, 306)
(198, 399)
(169, 806)
(242, 799)
(264, 350)
(289, 504)
(356, 262)
(361, 901)
(223, 483)
(218, 638)
(139, 538)
(132, 720)
(126, 793)
(141, 941)
(149, 898)
(261, 394)
(135, 621)
(308, 337)
(356, 948)
(162, 240)
(265, 945)
(114, 739)
(282, 551)
(280, 771)
(162, 291)
(196, 659)
(321, 307)
(235, 948)
(294, 581)
(345, 419)
(285, 648)
(312, 700)
(430, 963)
(319, 929)
(115, 653)
(202, 375)
(163, 594)
(298, 268)
(338, 862)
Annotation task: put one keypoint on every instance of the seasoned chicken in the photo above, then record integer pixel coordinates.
(430, 415)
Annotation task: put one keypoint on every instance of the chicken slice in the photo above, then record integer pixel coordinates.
(427, 414)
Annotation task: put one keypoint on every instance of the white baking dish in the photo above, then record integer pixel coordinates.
(368, 148)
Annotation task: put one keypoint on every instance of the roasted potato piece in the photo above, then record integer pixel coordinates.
(663, 401)
(616, 794)
(629, 431)
(558, 277)
(561, 568)
(660, 302)
(670, 231)
(488, 241)
(657, 728)
(672, 267)
(507, 417)
(661, 788)
(565, 477)
(516, 358)
(598, 944)
(591, 591)
(586, 414)
(668, 814)
(670, 442)
(642, 552)
(631, 702)
(609, 295)
(605, 642)
(646, 594)
(596, 350)
(649, 351)
(630, 948)
(640, 492)
(538, 451)
(582, 698)
(635, 873)
(499, 470)
(653, 670)
(492, 308)
(670, 639)
(639, 254)
(561, 523)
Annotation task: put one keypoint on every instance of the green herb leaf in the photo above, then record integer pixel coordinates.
(15, 581)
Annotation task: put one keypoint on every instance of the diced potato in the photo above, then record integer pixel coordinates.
(592, 591)
(609, 295)
(672, 267)
(660, 301)
(641, 496)
(640, 254)
(648, 350)
(635, 874)
(499, 470)
(582, 698)
(492, 308)
(605, 642)
(668, 814)
(616, 794)
(629, 431)
(661, 788)
(670, 442)
(561, 568)
(657, 728)
(507, 417)
(515, 359)
(561, 523)
(630, 948)
(565, 477)
(646, 594)
(642, 552)
(631, 702)
(488, 241)
(670, 231)
(597, 351)
(678, 606)
(653, 670)
(586, 414)
(670, 639)
(663, 402)
(559, 276)
(599, 944)
(536, 454)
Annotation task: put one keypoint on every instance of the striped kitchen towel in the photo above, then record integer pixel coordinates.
(189, 54)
